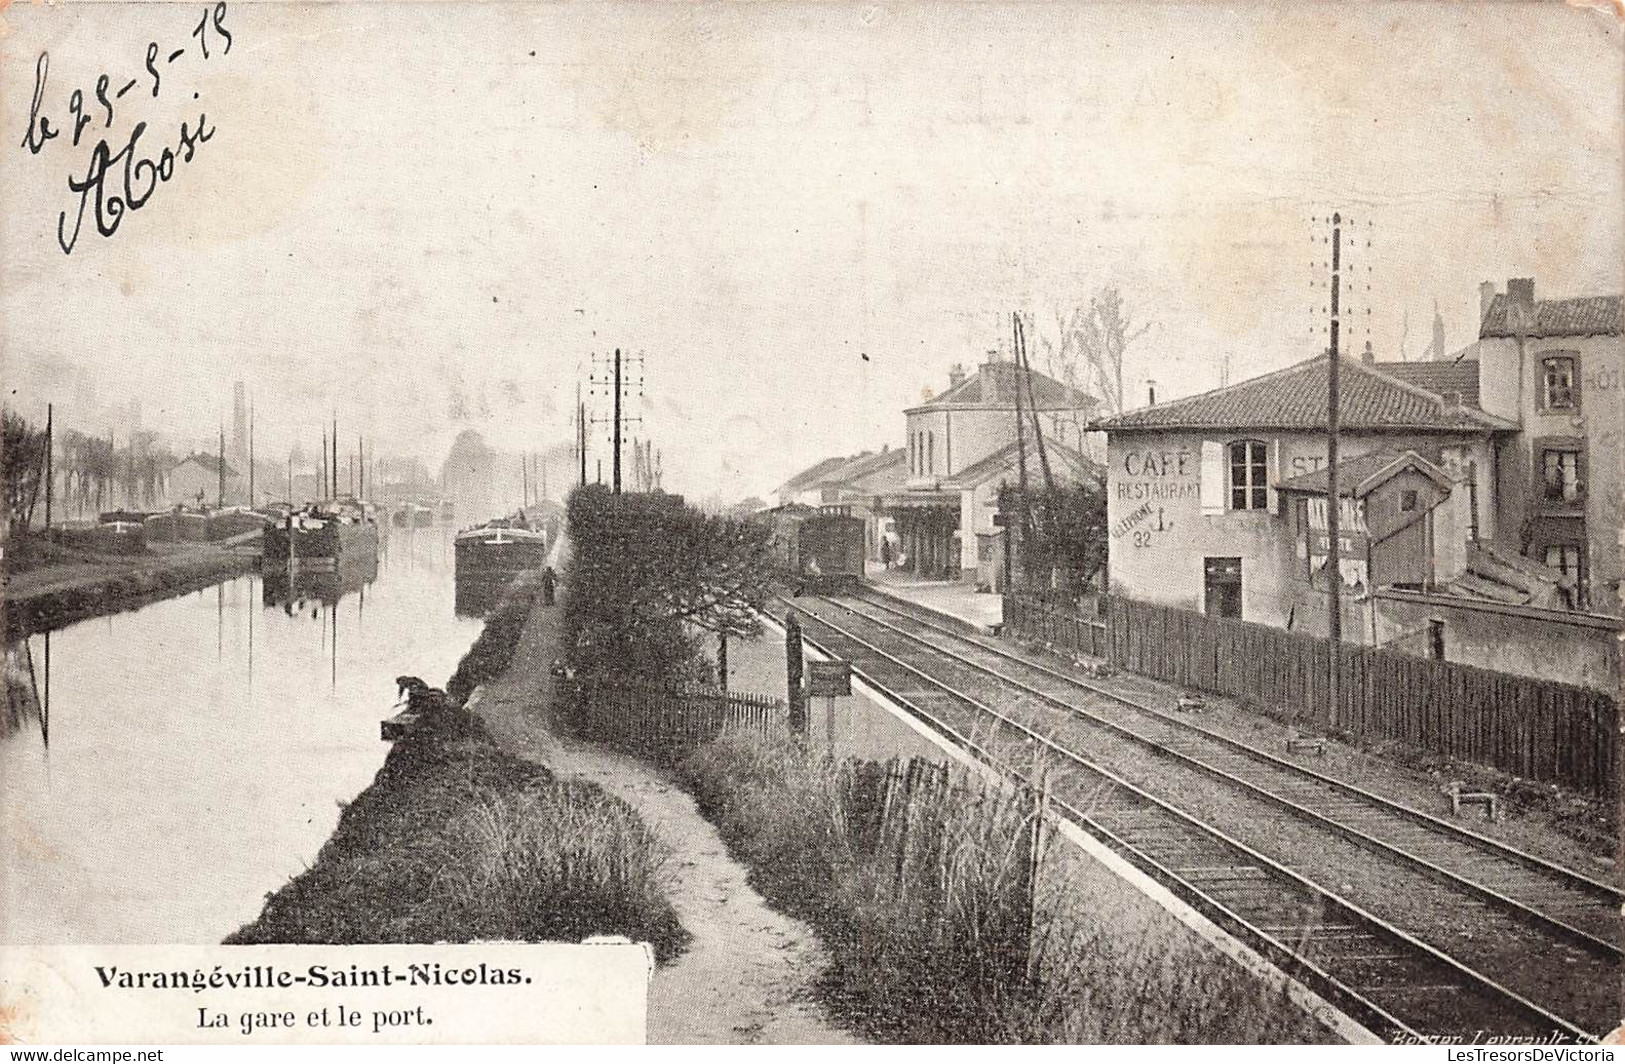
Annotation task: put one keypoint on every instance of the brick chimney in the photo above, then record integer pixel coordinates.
(1368, 356)
(1521, 303)
(1486, 293)
(956, 375)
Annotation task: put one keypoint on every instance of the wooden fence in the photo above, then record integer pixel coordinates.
(662, 723)
(1536, 729)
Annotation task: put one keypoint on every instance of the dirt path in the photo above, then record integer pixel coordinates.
(746, 977)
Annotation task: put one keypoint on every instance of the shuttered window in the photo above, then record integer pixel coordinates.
(1249, 475)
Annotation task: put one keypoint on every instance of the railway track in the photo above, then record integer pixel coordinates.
(1386, 976)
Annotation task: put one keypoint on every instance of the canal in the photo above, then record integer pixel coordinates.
(183, 760)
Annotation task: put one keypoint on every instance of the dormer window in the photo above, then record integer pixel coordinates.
(1560, 383)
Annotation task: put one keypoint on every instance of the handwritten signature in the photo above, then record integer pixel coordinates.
(135, 174)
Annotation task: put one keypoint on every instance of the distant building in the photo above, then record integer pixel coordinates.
(1556, 367)
(468, 478)
(962, 446)
(195, 481)
(858, 483)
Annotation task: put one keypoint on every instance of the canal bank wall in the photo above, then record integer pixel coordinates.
(55, 595)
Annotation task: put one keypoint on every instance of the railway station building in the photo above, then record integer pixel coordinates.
(961, 445)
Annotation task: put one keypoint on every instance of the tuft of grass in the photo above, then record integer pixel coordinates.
(928, 936)
(459, 841)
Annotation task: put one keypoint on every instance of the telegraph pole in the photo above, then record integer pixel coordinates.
(1333, 503)
(50, 469)
(581, 433)
(220, 499)
(616, 382)
(617, 421)
(334, 484)
(251, 456)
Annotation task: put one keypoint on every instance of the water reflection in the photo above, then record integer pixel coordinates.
(179, 786)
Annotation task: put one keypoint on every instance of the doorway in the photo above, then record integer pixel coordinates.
(1222, 586)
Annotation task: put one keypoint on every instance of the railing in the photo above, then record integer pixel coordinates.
(661, 723)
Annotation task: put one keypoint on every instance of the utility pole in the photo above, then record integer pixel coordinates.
(50, 467)
(1333, 503)
(581, 433)
(220, 499)
(615, 380)
(335, 482)
(617, 421)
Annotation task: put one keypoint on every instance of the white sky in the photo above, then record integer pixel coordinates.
(407, 218)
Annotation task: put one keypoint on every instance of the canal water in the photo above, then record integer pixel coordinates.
(191, 756)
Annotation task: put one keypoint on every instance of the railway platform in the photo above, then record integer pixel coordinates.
(953, 599)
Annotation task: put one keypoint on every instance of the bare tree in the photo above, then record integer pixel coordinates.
(1089, 344)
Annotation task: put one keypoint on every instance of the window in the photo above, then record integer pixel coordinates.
(1562, 474)
(930, 452)
(1560, 383)
(1249, 481)
(1407, 502)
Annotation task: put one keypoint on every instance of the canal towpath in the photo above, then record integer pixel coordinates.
(747, 975)
(77, 585)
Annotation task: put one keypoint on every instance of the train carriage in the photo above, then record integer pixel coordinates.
(821, 550)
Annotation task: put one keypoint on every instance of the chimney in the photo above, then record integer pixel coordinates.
(956, 375)
(1150, 392)
(1486, 292)
(1368, 356)
(1521, 303)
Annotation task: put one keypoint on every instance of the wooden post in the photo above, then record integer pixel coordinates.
(792, 672)
(722, 660)
(50, 478)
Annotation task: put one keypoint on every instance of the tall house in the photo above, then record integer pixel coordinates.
(1554, 367)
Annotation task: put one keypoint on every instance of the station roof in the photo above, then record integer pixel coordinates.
(1370, 400)
(993, 386)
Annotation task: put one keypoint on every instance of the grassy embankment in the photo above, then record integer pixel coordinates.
(47, 585)
(456, 841)
(921, 933)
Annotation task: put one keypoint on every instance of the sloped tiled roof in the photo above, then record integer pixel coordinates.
(1295, 398)
(1358, 475)
(813, 474)
(211, 462)
(994, 385)
(1585, 316)
(1065, 462)
(1437, 377)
